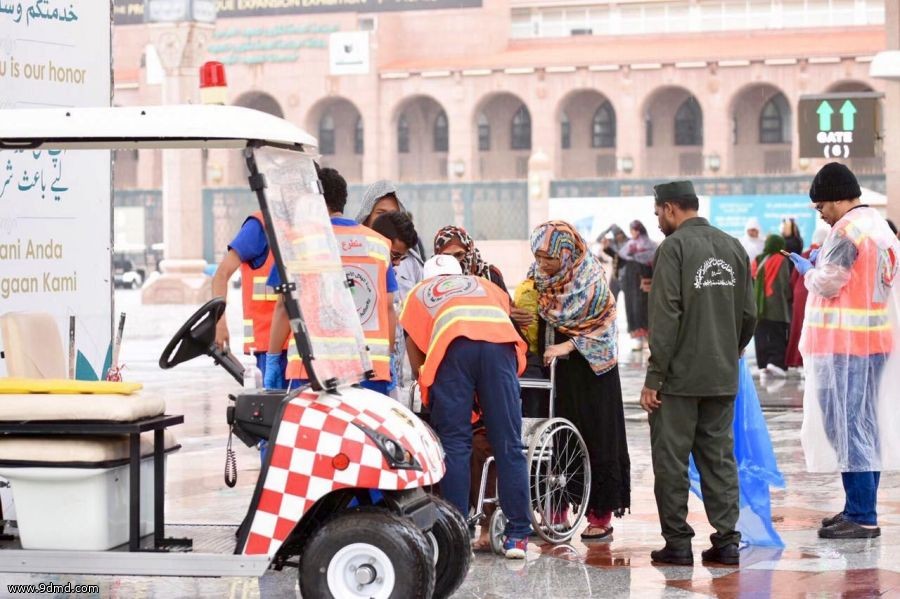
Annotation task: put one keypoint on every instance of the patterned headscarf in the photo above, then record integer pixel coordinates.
(576, 300)
(472, 264)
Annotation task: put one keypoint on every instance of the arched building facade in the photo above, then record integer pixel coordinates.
(470, 94)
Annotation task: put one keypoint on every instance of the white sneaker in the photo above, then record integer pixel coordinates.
(771, 368)
(760, 373)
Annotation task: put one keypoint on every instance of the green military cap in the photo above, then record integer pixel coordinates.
(674, 189)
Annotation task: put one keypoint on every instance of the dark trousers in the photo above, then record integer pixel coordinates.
(702, 427)
(771, 340)
(487, 370)
(848, 396)
(861, 491)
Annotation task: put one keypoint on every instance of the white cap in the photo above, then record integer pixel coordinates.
(441, 264)
(752, 223)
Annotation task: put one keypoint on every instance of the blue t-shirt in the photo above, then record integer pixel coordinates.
(251, 244)
(274, 279)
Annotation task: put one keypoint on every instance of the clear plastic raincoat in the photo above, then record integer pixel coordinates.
(851, 348)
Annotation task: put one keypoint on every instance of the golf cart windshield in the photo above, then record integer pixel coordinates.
(280, 155)
(323, 315)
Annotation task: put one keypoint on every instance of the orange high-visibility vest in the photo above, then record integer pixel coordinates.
(856, 321)
(258, 300)
(366, 256)
(443, 308)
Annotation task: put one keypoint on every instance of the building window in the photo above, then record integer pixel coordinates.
(520, 131)
(565, 132)
(441, 135)
(603, 127)
(358, 137)
(326, 135)
(774, 121)
(689, 124)
(403, 135)
(648, 131)
(484, 133)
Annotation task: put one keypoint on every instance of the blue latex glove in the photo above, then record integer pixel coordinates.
(274, 378)
(814, 255)
(803, 265)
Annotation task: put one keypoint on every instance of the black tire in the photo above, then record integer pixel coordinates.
(405, 546)
(450, 536)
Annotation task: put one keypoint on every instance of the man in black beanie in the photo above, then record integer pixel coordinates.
(849, 333)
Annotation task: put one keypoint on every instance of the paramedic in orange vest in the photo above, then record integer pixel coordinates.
(366, 257)
(249, 251)
(462, 343)
(850, 415)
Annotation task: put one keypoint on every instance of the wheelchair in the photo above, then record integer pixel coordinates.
(559, 473)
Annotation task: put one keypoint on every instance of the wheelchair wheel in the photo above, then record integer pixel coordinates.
(560, 479)
(496, 528)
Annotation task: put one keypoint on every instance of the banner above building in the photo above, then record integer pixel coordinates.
(131, 12)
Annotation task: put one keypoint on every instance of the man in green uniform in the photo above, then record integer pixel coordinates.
(702, 315)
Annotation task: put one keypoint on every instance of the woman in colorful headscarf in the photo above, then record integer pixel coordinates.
(773, 307)
(580, 330)
(635, 260)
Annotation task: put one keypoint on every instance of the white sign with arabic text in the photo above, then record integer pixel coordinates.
(55, 206)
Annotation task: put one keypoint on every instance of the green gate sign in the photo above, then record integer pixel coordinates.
(843, 125)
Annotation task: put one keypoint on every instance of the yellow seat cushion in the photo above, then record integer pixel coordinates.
(20, 386)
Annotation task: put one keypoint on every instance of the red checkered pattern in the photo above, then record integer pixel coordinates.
(314, 429)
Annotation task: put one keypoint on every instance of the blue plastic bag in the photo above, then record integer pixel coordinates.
(757, 468)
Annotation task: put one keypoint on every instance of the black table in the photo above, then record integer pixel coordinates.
(133, 429)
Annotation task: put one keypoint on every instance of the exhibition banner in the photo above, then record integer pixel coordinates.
(592, 216)
(55, 206)
(731, 213)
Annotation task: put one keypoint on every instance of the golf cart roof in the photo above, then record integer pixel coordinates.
(131, 127)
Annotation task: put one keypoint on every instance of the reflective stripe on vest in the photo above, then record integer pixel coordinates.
(342, 348)
(468, 314)
(848, 319)
(262, 292)
(257, 301)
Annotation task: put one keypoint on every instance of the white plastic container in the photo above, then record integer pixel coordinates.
(77, 508)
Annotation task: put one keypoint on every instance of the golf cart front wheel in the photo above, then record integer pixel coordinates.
(367, 552)
(452, 549)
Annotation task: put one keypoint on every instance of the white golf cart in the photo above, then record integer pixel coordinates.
(342, 491)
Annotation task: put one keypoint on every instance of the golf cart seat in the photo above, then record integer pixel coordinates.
(65, 444)
(32, 346)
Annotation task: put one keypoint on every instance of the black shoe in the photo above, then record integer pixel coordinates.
(826, 522)
(727, 555)
(845, 529)
(667, 555)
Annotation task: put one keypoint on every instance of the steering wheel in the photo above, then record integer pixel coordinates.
(196, 337)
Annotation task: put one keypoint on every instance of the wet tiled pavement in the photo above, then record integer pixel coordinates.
(807, 567)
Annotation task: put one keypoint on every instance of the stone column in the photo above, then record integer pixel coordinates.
(891, 115)
(540, 173)
(181, 48)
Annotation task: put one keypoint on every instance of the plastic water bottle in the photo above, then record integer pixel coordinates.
(252, 377)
